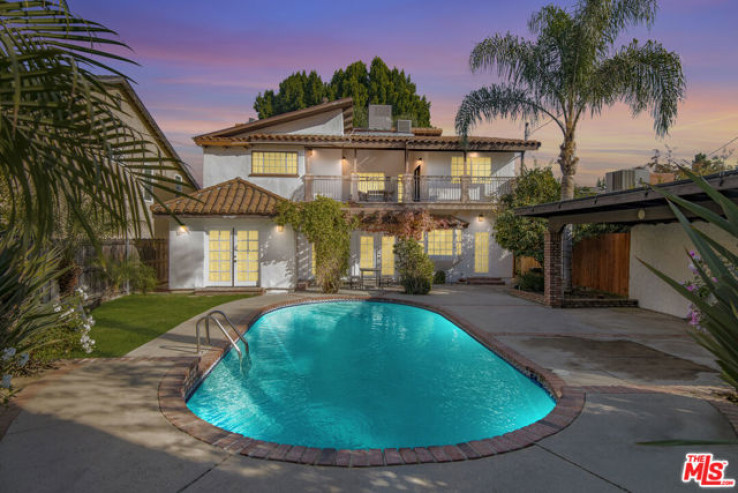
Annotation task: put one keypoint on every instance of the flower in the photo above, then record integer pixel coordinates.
(690, 287)
(692, 267)
(8, 353)
(5, 384)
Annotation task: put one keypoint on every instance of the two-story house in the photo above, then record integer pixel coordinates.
(135, 114)
(229, 237)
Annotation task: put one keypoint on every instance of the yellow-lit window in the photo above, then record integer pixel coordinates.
(481, 252)
(273, 163)
(400, 188)
(247, 256)
(458, 242)
(457, 168)
(477, 167)
(388, 255)
(366, 260)
(371, 182)
(480, 168)
(219, 255)
(312, 260)
(441, 242)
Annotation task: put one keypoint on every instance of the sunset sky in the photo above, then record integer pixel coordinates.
(203, 63)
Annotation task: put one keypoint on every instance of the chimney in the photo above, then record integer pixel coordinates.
(380, 117)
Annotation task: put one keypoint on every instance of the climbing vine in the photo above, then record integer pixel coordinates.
(326, 224)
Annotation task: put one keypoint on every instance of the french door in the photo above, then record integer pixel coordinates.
(233, 257)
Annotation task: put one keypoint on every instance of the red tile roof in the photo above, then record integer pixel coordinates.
(378, 141)
(236, 197)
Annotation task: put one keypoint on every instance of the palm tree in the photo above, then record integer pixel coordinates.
(571, 69)
(63, 142)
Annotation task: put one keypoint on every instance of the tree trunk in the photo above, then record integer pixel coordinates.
(568, 163)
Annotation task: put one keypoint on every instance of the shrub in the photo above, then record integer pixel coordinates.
(140, 276)
(414, 267)
(440, 277)
(531, 281)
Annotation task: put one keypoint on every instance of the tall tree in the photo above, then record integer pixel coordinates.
(572, 68)
(374, 85)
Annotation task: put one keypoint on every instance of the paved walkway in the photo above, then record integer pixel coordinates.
(97, 427)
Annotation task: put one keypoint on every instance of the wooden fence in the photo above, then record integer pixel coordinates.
(151, 252)
(603, 263)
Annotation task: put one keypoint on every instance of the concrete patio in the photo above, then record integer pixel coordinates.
(96, 425)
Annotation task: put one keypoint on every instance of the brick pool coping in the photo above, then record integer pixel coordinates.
(180, 381)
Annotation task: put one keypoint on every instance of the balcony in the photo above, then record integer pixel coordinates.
(408, 188)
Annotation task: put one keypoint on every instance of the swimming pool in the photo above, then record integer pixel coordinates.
(365, 374)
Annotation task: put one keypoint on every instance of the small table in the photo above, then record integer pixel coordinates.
(377, 272)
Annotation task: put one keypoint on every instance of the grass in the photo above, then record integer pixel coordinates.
(126, 323)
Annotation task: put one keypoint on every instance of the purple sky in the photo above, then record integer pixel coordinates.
(202, 64)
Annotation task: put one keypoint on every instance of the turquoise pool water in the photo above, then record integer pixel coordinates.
(366, 375)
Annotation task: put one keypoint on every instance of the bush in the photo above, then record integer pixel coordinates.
(140, 276)
(531, 281)
(440, 277)
(414, 267)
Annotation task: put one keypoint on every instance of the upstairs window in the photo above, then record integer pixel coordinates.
(273, 163)
(477, 167)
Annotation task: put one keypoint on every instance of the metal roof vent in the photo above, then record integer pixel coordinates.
(404, 126)
(380, 117)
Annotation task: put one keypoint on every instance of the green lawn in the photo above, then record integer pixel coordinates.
(124, 324)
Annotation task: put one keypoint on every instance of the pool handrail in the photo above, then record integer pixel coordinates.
(212, 316)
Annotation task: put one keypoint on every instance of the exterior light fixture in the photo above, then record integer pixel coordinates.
(309, 152)
(280, 228)
(182, 230)
(641, 214)
(480, 218)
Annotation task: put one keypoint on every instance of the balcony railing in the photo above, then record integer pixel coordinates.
(407, 188)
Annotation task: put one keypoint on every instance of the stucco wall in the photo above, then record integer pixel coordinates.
(222, 164)
(329, 123)
(188, 252)
(663, 246)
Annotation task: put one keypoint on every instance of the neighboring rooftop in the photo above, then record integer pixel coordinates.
(127, 90)
(236, 197)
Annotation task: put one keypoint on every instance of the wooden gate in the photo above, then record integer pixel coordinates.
(603, 263)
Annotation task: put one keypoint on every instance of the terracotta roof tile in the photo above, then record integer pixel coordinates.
(235, 197)
(379, 141)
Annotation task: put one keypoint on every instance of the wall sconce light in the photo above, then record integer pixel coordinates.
(182, 230)
(480, 218)
(420, 160)
(309, 152)
(641, 214)
(280, 228)
(343, 158)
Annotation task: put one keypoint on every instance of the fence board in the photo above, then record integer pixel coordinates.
(603, 263)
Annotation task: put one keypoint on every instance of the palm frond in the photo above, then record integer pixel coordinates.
(498, 101)
(63, 138)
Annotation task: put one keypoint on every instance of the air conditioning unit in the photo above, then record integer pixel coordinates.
(625, 179)
(404, 126)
